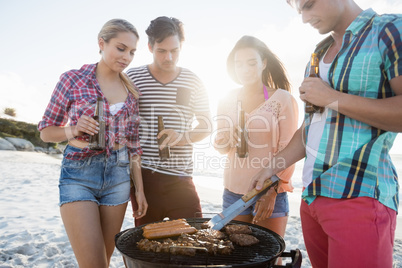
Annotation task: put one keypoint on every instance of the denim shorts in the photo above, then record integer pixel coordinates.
(101, 179)
(281, 208)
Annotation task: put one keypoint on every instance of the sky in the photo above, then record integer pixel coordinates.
(41, 39)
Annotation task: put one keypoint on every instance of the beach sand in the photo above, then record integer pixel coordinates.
(32, 232)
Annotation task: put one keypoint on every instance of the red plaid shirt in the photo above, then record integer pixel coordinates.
(75, 95)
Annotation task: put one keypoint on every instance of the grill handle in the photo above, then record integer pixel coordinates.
(272, 182)
(296, 259)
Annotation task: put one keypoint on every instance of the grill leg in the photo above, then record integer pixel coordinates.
(296, 259)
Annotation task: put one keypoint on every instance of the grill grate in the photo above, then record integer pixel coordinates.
(269, 248)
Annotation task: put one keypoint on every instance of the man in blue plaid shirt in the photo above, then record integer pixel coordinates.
(350, 196)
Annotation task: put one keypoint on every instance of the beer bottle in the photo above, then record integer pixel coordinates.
(165, 152)
(98, 141)
(309, 107)
(242, 135)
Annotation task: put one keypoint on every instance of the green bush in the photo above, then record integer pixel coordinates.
(10, 112)
(23, 130)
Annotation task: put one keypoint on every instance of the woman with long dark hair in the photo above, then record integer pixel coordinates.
(271, 119)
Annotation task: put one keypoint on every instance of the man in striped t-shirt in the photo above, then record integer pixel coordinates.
(179, 96)
(350, 200)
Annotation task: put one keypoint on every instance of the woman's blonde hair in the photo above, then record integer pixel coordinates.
(109, 31)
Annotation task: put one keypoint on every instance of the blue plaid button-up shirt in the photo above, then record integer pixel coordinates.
(353, 157)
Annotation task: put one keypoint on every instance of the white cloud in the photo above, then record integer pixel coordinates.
(384, 6)
(21, 96)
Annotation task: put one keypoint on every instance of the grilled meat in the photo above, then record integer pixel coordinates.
(213, 241)
(237, 229)
(210, 233)
(243, 239)
(167, 229)
(205, 225)
(186, 244)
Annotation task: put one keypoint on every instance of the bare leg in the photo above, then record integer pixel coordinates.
(245, 218)
(277, 225)
(111, 220)
(82, 223)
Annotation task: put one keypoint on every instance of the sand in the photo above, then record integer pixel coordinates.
(32, 233)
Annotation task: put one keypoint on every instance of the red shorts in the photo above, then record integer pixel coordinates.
(168, 196)
(357, 232)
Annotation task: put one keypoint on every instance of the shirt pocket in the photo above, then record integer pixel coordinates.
(365, 75)
(122, 157)
(82, 107)
(183, 96)
(69, 163)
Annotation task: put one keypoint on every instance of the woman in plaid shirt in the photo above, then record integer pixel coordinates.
(95, 185)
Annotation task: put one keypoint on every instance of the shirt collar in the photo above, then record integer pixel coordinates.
(361, 20)
(89, 70)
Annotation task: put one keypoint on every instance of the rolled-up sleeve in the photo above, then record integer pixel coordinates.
(56, 113)
(390, 43)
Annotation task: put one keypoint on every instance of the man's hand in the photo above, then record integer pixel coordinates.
(317, 92)
(258, 180)
(173, 138)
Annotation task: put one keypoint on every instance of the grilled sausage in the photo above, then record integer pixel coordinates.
(165, 224)
(168, 232)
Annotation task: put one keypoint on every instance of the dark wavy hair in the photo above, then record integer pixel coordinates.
(163, 27)
(274, 75)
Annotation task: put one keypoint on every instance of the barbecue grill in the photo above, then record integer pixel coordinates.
(263, 254)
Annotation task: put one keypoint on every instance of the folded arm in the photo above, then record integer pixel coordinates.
(384, 113)
(84, 125)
